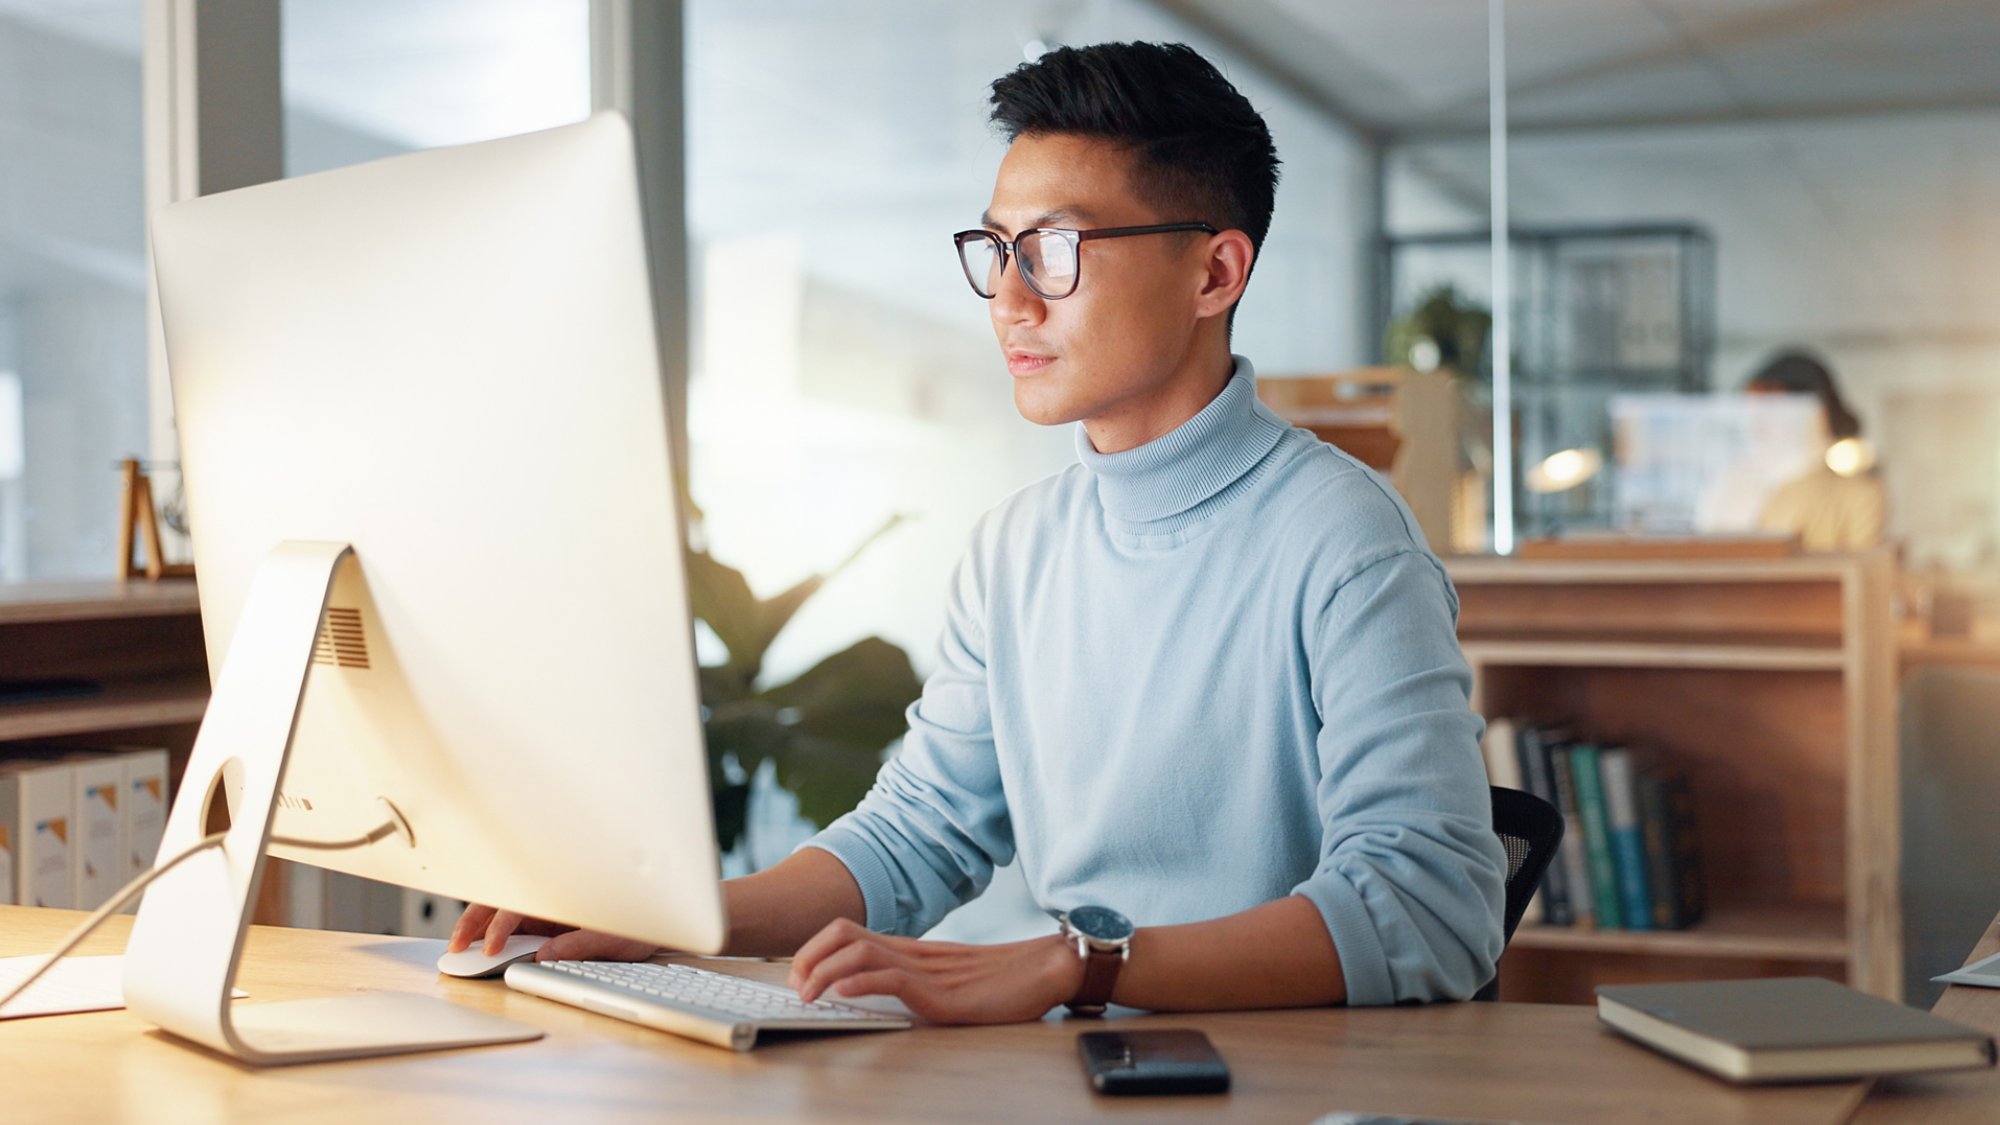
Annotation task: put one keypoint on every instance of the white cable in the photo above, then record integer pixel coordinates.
(387, 830)
(90, 924)
(131, 889)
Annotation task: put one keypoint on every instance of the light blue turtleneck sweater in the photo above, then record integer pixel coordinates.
(1191, 678)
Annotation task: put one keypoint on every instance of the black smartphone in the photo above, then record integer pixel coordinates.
(1152, 1062)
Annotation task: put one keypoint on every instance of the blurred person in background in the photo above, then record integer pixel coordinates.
(1838, 503)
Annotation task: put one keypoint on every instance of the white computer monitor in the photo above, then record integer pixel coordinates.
(424, 395)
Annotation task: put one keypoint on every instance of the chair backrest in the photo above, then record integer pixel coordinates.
(1530, 829)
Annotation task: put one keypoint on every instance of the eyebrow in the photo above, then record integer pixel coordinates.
(1060, 214)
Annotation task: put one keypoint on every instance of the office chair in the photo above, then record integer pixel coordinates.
(1529, 828)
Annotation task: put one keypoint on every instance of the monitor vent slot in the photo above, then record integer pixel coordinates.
(341, 643)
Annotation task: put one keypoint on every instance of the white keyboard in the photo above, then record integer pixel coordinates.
(711, 1007)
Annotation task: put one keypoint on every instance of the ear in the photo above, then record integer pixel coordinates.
(1230, 255)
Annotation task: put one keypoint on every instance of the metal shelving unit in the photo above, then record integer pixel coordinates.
(1598, 312)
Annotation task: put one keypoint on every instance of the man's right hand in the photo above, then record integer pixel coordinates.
(565, 943)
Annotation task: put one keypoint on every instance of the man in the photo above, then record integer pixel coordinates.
(1206, 678)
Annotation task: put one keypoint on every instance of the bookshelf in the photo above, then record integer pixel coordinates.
(1770, 683)
(141, 641)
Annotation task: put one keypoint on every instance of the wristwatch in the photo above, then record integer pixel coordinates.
(1103, 939)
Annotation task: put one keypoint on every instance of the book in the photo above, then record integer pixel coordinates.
(145, 811)
(1597, 835)
(1788, 1029)
(1503, 761)
(97, 867)
(1572, 854)
(1558, 902)
(35, 804)
(1503, 769)
(1673, 867)
(1628, 845)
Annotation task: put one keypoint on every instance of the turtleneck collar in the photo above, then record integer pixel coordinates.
(1179, 470)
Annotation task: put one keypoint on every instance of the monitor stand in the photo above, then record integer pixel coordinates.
(181, 961)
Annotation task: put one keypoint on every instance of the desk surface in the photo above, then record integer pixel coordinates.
(1971, 1096)
(1541, 1063)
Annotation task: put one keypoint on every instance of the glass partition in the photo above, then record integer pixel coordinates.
(1833, 183)
(369, 78)
(72, 283)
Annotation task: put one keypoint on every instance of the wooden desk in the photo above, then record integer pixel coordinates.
(1972, 1096)
(1542, 1063)
(1917, 647)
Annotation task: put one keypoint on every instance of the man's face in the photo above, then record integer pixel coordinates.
(1117, 349)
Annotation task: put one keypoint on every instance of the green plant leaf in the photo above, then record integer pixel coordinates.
(752, 731)
(825, 731)
(858, 694)
(829, 778)
(775, 613)
(721, 596)
(843, 712)
(722, 685)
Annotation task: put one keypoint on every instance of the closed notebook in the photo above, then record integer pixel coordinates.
(1787, 1029)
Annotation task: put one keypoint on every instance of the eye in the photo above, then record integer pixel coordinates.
(1054, 256)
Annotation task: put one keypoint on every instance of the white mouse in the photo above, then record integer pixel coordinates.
(474, 961)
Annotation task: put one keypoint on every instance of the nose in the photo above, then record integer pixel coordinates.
(1013, 302)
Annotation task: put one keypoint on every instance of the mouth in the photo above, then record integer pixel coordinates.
(1021, 363)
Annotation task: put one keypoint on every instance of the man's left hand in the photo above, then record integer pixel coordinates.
(941, 982)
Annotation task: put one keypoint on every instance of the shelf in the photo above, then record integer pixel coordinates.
(1790, 932)
(34, 602)
(1638, 654)
(122, 705)
(1507, 570)
(1956, 651)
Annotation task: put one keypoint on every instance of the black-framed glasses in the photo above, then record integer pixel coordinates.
(1046, 256)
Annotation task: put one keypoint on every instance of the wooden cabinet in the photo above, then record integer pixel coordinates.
(141, 641)
(139, 644)
(1770, 684)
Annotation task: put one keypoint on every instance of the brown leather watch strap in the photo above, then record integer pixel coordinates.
(1100, 976)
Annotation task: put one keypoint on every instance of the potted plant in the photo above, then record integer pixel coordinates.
(825, 731)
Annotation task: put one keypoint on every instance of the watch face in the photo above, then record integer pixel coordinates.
(1100, 923)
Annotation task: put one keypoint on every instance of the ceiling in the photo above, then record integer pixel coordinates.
(1389, 67)
(412, 71)
(1397, 69)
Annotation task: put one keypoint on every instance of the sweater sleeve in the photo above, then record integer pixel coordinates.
(929, 833)
(1410, 875)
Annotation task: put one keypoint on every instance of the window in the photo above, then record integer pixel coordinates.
(369, 78)
(72, 282)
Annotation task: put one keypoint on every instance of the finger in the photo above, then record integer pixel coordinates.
(470, 924)
(832, 936)
(900, 983)
(851, 960)
(497, 931)
(589, 945)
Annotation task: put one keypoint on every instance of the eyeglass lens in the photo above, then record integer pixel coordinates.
(1046, 259)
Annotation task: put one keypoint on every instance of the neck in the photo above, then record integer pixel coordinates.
(1196, 380)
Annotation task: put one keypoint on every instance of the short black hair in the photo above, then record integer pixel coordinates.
(1204, 153)
(1803, 373)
